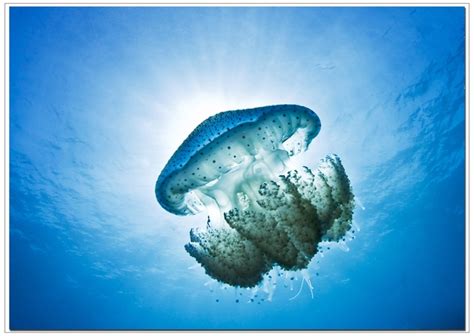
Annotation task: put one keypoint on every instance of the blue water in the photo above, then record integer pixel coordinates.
(100, 98)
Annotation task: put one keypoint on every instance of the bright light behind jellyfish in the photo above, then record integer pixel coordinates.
(262, 215)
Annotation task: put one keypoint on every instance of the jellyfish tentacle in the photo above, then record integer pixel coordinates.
(299, 291)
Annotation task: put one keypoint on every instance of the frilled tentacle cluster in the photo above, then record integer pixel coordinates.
(228, 257)
(291, 216)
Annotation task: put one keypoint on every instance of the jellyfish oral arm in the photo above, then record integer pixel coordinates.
(240, 187)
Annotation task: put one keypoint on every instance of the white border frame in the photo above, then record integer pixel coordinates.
(5, 122)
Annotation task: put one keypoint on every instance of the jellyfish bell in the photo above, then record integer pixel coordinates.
(230, 154)
(234, 165)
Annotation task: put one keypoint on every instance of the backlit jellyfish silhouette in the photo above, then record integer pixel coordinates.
(234, 165)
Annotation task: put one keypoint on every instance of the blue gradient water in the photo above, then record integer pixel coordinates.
(101, 97)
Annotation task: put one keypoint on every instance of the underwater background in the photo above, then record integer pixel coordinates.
(100, 98)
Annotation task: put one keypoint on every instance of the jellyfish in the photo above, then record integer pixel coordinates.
(261, 213)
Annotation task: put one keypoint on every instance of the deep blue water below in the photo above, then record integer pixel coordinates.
(100, 98)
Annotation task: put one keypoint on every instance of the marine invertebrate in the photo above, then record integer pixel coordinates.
(234, 165)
